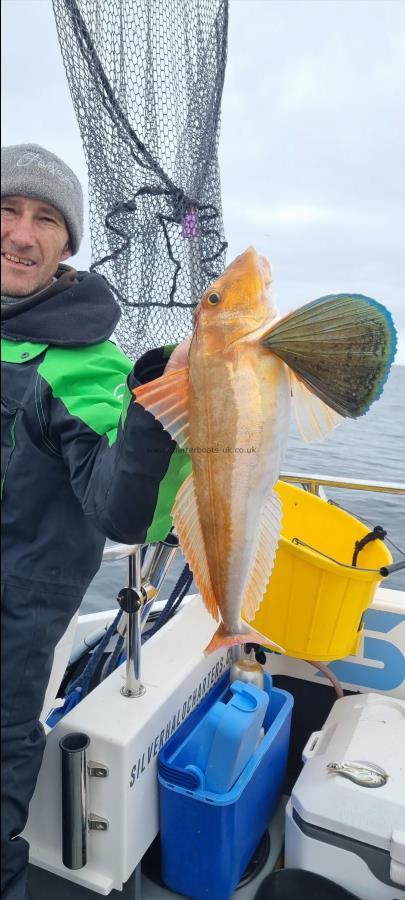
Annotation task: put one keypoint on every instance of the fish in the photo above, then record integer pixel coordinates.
(362, 773)
(230, 410)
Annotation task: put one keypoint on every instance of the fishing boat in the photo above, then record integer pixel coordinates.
(109, 806)
(94, 820)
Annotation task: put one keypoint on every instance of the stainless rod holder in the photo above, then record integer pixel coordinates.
(158, 559)
(132, 601)
(156, 564)
(133, 685)
(74, 799)
(144, 583)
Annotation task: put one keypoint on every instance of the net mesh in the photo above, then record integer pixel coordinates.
(146, 79)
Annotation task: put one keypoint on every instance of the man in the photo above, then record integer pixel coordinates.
(80, 460)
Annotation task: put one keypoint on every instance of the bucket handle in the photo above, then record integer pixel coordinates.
(384, 571)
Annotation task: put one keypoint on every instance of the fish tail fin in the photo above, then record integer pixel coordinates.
(248, 635)
(340, 346)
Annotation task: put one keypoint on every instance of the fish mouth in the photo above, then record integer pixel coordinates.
(254, 260)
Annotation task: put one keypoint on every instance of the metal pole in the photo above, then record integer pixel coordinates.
(137, 895)
(133, 606)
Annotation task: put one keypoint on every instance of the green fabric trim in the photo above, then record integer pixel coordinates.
(126, 400)
(20, 351)
(179, 469)
(91, 382)
(168, 350)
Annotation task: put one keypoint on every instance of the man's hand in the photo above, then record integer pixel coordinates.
(179, 357)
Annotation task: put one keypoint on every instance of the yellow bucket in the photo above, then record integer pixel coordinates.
(313, 606)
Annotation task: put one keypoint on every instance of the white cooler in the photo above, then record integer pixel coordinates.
(352, 834)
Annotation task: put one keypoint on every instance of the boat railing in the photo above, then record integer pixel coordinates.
(315, 483)
(132, 598)
(311, 482)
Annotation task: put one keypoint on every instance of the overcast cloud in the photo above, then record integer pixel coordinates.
(312, 141)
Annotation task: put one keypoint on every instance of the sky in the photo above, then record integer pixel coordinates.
(312, 142)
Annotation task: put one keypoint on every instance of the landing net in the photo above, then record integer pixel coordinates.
(146, 79)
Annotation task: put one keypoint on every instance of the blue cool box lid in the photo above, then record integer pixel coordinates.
(204, 757)
(215, 753)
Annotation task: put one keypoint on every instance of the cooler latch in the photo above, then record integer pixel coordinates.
(311, 746)
(397, 852)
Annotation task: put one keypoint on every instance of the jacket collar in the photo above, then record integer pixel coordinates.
(78, 309)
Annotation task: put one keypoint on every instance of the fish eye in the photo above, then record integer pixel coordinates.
(213, 298)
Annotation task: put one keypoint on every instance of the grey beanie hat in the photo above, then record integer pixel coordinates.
(28, 170)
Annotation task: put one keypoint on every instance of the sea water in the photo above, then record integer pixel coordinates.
(371, 448)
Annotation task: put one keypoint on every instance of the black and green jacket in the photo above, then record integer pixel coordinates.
(80, 461)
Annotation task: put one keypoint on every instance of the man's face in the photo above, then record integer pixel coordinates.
(34, 240)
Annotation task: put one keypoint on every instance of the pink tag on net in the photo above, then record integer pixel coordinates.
(190, 227)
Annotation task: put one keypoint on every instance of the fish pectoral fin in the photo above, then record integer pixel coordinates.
(267, 538)
(340, 346)
(167, 399)
(314, 418)
(187, 524)
(222, 638)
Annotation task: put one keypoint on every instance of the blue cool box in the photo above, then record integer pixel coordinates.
(208, 838)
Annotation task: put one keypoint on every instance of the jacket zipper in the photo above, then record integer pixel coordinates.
(12, 431)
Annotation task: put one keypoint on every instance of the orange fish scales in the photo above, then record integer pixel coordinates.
(240, 420)
(263, 412)
(211, 430)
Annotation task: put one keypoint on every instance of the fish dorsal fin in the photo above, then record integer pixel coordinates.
(267, 539)
(167, 399)
(341, 346)
(186, 520)
(313, 417)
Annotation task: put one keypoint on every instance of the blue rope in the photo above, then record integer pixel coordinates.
(180, 589)
(83, 681)
(115, 657)
(79, 688)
